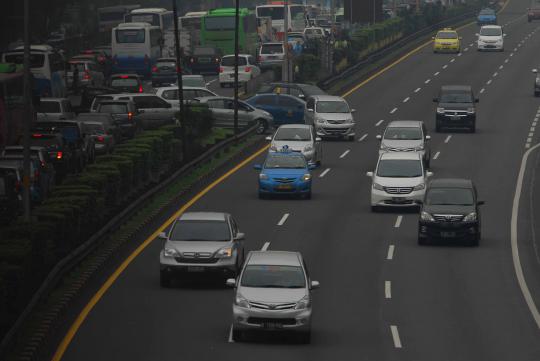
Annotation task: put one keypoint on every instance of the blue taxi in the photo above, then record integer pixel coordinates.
(285, 172)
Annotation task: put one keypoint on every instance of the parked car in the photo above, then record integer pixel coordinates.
(109, 123)
(302, 91)
(164, 72)
(456, 108)
(273, 293)
(170, 94)
(331, 116)
(222, 109)
(298, 138)
(314, 33)
(205, 59)
(271, 54)
(285, 109)
(126, 83)
(450, 212)
(54, 109)
(406, 136)
(103, 141)
(125, 114)
(202, 242)
(247, 69)
(89, 73)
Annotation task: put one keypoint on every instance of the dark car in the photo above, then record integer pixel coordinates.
(109, 123)
(205, 59)
(124, 113)
(15, 168)
(285, 109)
(52, 143)
(164, 72)
(42, 175)
(302, 91)
(41, 153)
(126, 83)
(103, 141)
(450, 212)
(456, 108)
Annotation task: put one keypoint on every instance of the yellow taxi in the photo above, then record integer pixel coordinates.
(446, 40)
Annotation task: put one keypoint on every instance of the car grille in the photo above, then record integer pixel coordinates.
(335, 121)
(400, 149)
(280, 306)
(456, 113)
(264, 320)
(335, 131)
(448, 217)
(196, 257)
(284, 180)
(398, 190)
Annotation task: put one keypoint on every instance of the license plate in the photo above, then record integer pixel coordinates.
(272, 325)
(195, 269)
(204, 60)
(399, 200)
(455, 118)
(284, 186)
(448, 234)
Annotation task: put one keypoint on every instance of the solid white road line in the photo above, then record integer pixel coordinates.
(417, 90)
(387, 289)
(398, 221)
(514, 240)
(393, 111)
(527, 145)
(362, 137)
(390, 254)
(489, 81)
(482, 90)
(445, 66)
(436, 155)
(230, 335)
(448, 138)
(344, 154)
(324, 172)
(265, 246)
(427, 81)
(395, 336)
(283, 219)
(406, 100)
(379, 122)
(437, 73)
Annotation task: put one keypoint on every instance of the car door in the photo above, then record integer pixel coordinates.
(254, 68)
(154, 111)
(221, 114)
(244, 114)
(238, 244)
(268, 102)
(293, 110)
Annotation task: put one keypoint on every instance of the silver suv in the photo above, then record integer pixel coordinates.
(273, 293)
(298, 138)
(201, 242)
(406, 136)
(331, 116)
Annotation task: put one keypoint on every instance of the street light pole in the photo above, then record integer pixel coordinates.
(27, 113)
(179, 80)
(236, 51)
(285, 67)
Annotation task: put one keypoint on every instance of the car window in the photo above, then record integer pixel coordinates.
(403, 133)
(93, 128)
(273, 276)
(446, 35)
(281, 161)
(171, 94)
(98, 100)
(332, 107)
(121, 82)
(193, 81)
(456, 97)
(288, 102)
(449, 196)
(189, 94)
(310, 103)
(265, 100)
(113, 108)
(490, 31)
(204, 93)
(216, 104)
(229, 61)
(399, 168)
(67, 106)
(272, 49)
(195, 230)
(294, 134)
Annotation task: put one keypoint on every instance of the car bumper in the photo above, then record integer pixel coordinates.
(228, 78)
(270, 320)
(448, 231)
(335, 130)
(491, 46)
(270, 187)
(448, 121)
(221, 266)
(446, 49)
(384, 199)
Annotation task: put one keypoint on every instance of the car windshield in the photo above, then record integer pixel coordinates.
(71, 134)
(399, 168)
(130, 36)
(296, 134)
(81, 67)
(113, 108)
(447, 35)
(48, 107)
(281, 161)
(123, 82)
(195, 230)
(229, 61)
(456, 97)
(490, 32)
(272, 49)
(450, 197)
(332, 107)
(273, 276)
(403, 133)
(193, 81)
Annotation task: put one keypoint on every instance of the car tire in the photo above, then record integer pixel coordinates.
(304, 337)
(237, 335)
(262, 126)
(164, 280)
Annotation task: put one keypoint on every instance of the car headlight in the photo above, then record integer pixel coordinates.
(308, 148)
(263, 176)
(170, 252)
(425, 216)
(303, 303)
(471, 110)
(225, 252)
(420, 147)
(349, 121)
(377, 186)
(440, 110)
(419, 187)
(321, 121)
(240, 301)
(306, 177)
(471, 217)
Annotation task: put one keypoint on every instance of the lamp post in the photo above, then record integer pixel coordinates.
(27, 113)
(236, 51)
(179, 80)
(285, 68)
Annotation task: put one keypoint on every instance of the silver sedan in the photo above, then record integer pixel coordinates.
(298, 138)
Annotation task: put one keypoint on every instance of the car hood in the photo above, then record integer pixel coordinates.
(443, 209)
(398, 182)
(194, 246)
(272, 295)
(456, 106)
(294, 145)
(335, 116)
(490, 38)
(392, 143)
(446, 41)
(291, 173)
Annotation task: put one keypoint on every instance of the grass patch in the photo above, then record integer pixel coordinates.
(216, 135)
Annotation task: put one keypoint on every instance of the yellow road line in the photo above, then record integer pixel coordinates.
(103, 289)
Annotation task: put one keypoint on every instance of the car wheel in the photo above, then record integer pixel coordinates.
(237, 335)
(164, 280)
(262, 126)
(304, 337)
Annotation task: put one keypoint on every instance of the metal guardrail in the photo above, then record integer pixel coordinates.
(329, 82)
(66, 264)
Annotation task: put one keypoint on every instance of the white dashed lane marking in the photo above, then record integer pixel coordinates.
(390, 254)
(387, 289)
(445, 66)
(379, 122)
(417, 90)
(398, 221)
(448, 139)
(393, 111)
(436, 155)
(406, 100)
(427, 81)
(489, 81)
(395, 336)
(230, 335)
(325, 172)
(283, 219)
(344, 154)
(362, 137)
(437, 73)
(454, 59)
(265, 246)
(482, 90)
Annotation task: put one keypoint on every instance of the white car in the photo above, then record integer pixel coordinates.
(271, 54)
(247, 69)
(298, 138)
(491, 37)
(398, 181)
(331, 116)
(170, 94)
(406, 136)
(314, 33)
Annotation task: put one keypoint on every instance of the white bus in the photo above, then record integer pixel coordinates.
(110, 16)
(135, 48)
(47, 67)
(296, 17)
(191, 20)
(160, 17)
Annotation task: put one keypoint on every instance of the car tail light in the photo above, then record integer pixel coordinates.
(178, 69)
(130, 116)
(155, 69)
(37, 135)
(247, 69)
(59, 155)
(86, 75)
(140, 89)
(101, 59)
(124, 76)
(100, 138)
(221, 69)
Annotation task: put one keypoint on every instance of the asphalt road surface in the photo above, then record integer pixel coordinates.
(382, 297)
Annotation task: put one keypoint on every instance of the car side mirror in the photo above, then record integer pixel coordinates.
(353, 110)
(476, 100)
(240, 236)
(428, 137)
(480, 203)
(257, 167)
(310, 110)
(231, 282)
(369, 174)
(315, 285)
(268, 138)
(535, 71)
(318, 139)
(435, 100)
(429, 174)
(378, 136)
(162, 235)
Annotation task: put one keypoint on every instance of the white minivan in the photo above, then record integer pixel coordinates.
(247, 69)
(491, 37)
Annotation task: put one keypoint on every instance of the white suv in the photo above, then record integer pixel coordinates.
(491, 37)
(247, 69)
(398, 181)
(271, 54)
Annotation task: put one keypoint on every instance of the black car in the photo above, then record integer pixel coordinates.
(205, 59)
(164, 72)
(52, 142)
(450, 212)
(456, 108)
(302, 91)
(126, 83)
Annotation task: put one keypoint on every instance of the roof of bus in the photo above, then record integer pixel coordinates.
(128, 26)
(149, 10)
(226, 12)
(41, 48)
(195, 14)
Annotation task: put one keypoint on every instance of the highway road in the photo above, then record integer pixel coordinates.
(382, 297)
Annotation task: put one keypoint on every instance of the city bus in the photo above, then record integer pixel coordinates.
(217, 29)
(160, 17)
(109, 17)
(135, 48)
(296, 16)
(47, 66)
